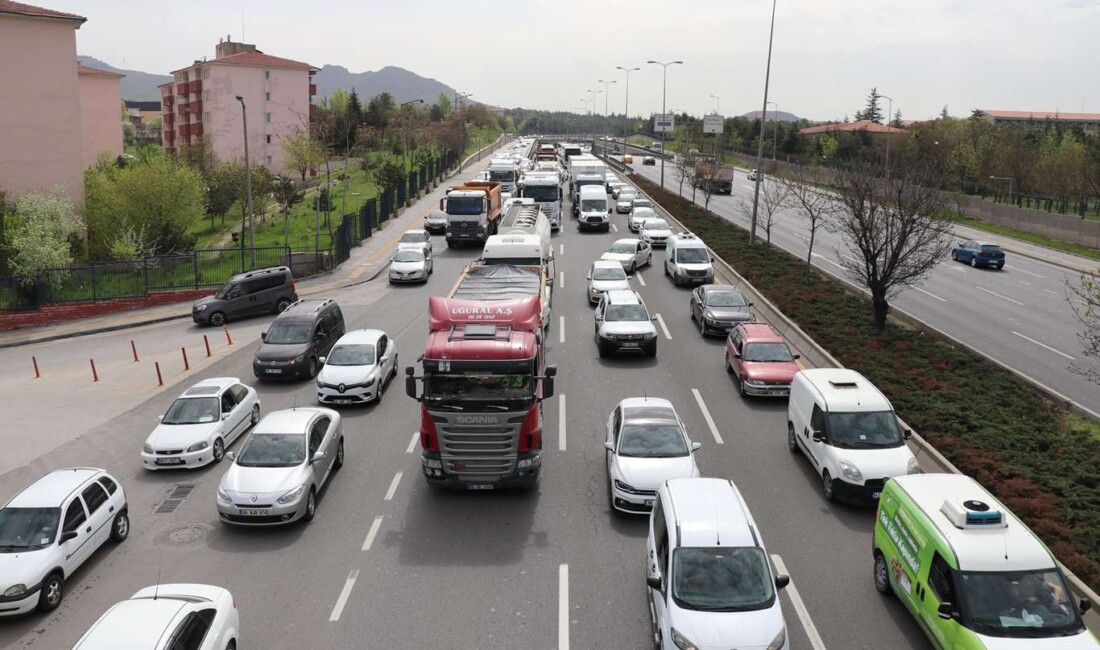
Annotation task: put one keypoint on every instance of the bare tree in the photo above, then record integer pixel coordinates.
(815, 205)
(773, 197)
(685, 169)
(1084, 299)
(706, 173)
(894, 230)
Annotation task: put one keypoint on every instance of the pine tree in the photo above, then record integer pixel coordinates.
(897, 119)
(355, 109)
(873, 111)
(943, 113)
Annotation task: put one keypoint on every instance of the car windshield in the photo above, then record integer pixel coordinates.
(1018, 604)
(864, 430)
(192, 410)
(409, 255)
(725, 299)
(415, 237)
(641, 214)
(692, 256)
(228, 289)
(351, 354)
(27, 528)
(609, 273)
(594, 205)
(767, 352)
(287, 334)
(508, 176)
(656, 224)
(642, 203)
(273, 450)
(626, 313)
(722, 579)
(652, 440)
(511, 392)
(437, 215)
(626, 196)
(464, 205)
(625, 247)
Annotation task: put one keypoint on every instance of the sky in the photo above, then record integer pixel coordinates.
(547, 54)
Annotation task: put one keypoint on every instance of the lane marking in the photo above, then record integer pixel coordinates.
(372, 533)
(706, 416)
(800, 607)
(929, 294)
(342, 600)
(826, 259)
(638, 276)
(393, 486)
(614, 227)
(561, 422)
(850, 258)
(1043, 345)
(412, 443)
(1026, 284)
(561, 329)
(561, 249)
(1053, 293)
(994, 293)
(664, 329)
(957, 268)
(563, 607)
(561, 280)
(1029, 272)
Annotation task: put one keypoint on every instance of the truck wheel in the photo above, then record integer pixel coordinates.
(450, 244)
(882, 574)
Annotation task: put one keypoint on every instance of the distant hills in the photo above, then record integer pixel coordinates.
(136, 85)
(782, 116)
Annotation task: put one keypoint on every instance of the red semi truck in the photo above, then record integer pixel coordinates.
(484, 380)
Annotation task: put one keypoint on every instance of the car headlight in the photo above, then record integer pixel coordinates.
(779, 640)
(709, 319)
(368, 383)
(850, 471)
(198, 446)
(298, 359)
(293, 495)
(629, 489)
(147, 448)
(752, 382)
(200, 307)
(682, 641)
(222, 496)
(914, 467)
(15, 590)
(318, 382)
(650, 335)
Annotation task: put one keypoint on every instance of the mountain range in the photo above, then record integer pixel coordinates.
(136, 85)
(782, 116)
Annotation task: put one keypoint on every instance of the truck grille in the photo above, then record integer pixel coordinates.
(481, 452)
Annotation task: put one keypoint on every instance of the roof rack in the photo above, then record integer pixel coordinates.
(322, 302)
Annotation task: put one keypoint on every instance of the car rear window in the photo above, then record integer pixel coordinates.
(991, 249)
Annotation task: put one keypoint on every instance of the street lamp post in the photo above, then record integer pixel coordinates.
(760, 146)
(1005, 178)
(775, 119)
(664, 97)
(626, 103)
(889, 117)
(606, 93)
(248, 185)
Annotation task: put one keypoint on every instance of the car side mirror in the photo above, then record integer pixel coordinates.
(588, 277)
(229, 455)
(696, 446)
(610, 446)
(263, 336)
(906, 434)
(818, 436)
(781, 581)
(653, 319)
(321, 360)
(796, 356)
(654, 582)
(599, 317)
(946, 611)
(748, 304)
(736, 355)
(159, 418)
(225, 416)
(1084, 605)
(67, 535)
(318, 457)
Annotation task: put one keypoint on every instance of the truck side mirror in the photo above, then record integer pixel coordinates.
(443, 204)
(946, 611)
(548, 382)
(654, 582)
(410, 384)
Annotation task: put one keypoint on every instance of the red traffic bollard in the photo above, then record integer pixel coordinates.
(37, 375)
(228, 339)
(95, 375)
(206, 341)
(186, 366)
(134, 349)
(160, 380)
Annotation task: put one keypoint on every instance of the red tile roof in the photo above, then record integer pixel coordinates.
(862, 125)
(1043, 115)
(7, 7)
(261, 59)
(96, 72)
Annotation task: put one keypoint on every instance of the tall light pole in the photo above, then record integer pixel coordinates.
(664, 97)
(606, 93)
(760, 147)
(626, 103)
(1005, 178)
(889, 117)
(717, 104)
(775, 120)
(248, 185)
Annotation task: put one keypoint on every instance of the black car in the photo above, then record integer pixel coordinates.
(718, 308)
(649, 160)
(296, 340)
(263, 291)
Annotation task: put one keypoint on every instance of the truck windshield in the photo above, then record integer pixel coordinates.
(692, 256)
(464, 205)
(473, 392)
(507, 176)
(1018, 604)
(541, 193)
(594, 205)
(864, 430)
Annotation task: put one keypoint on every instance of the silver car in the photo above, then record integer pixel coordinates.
(411, 265)
(637, 216)
(282, 466)
(631, 253)
(603, 276)
(624, 323)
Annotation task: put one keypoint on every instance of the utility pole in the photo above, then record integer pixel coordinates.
(248, 184)
(626, 104)
(760, 148)
(775, 123)
(889, 118)
(664, 98)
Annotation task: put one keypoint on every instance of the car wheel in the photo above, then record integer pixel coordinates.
(312, 370)
(954, 256)
(255, 414)
(219, 450)
(974, 262)
(792, 442)
(882, 574)
(649, 259)
(652, 351)
(827, 486)
(633, 267)
(339, 462)
(311, 505)
(610, 499)
(729, 366)
(741, 387)
(602, 349)
(380, 391)
(281, 306)
(51, 593)
(232, 646)
(702, 328)
(120, 527)
(217, 319)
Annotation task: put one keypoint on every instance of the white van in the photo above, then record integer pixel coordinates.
(848, 430)
(687, 260)
(592, 208)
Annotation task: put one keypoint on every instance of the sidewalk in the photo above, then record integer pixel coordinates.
(367, 261)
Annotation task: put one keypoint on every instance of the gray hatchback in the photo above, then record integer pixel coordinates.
(263, 291)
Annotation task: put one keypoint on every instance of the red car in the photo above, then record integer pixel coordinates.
(760, 361)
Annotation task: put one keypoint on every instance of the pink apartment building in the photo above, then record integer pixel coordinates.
(100, 113)
(200, 104)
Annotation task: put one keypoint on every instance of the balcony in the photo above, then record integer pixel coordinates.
(196, 87)
(169, 117)
(181, 88)
(181, 110)
(312, 89)
(312, 111)
(184, 131)
(195, 108)
(196, 129)
(166, 99)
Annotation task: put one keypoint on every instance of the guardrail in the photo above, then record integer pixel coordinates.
(817, 356)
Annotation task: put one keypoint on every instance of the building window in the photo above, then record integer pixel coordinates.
(269, 139)
(268, 161)
(206, 74)
(206, 95)
(267, 74)
(267, 117)
(267, 97)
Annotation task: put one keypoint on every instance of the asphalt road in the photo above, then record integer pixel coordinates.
(1019, 315)
(389, 562)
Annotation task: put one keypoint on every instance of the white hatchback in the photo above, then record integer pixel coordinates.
(201, 424)
(655, 232)
(603, 276)
(357, 368)
(168, 617)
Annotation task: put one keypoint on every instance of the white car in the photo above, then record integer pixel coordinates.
(622, 204)
(168, 617)
(618, 187)
(357, 368)
(641, 202)
(604, 276)
(753, 175)
(411, 265)
(417, 238)
(655, 232)
(624, 323)
(631, 253)
(201, 424)
(50, 528)
(647, 444)
(637, 216)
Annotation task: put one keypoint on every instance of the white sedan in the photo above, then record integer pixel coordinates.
(631, 253)
(201, 617)
(647, 445)
(201, 423)
(637, 216)
(357, 368)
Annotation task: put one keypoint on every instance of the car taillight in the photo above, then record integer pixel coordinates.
(429, 439)
(530, 432)
(292, 284)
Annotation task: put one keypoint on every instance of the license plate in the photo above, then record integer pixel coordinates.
(168, 461)
(480, 486)
(630, 344)
(341, 401)
(274, 371)
(252, 512)
(875, 495)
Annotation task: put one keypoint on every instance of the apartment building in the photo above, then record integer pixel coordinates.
(100, 113)
(200, 105)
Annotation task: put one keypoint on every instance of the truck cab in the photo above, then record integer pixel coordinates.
(503, 170)
(545, 189)
(472, 211)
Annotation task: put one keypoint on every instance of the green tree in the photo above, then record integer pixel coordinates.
(829, 147)
(963, 166)
(338, 101)
(39, 235)
(872, 111)
(355, 109)
(222, 189)
(302, 152)
(286, 194)
(444, 104)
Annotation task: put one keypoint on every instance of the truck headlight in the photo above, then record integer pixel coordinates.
(850, 471)
(293, 495)
(682, 641)
(913, 467)
(779, 641)
(15, 590)
(198, 446)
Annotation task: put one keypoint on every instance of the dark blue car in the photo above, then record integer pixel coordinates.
(979, 253)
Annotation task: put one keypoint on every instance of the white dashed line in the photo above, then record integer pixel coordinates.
(342, 600)
(561, 280)
(639, 278)
(563, 607)
(412, 443)
(929, 294)
(1026, 284)
(1043, 345)
(393, 487)
(372, 533)
(1053, 293)
(706, 416)
(850, 258)
(561, 422)
(800, 607)
(1016, 268)
(661, 322)
(561, 249)
(994, 293)
(826, 259)
(957, 268)
(561, 329)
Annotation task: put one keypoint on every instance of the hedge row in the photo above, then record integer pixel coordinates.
(1028, 450)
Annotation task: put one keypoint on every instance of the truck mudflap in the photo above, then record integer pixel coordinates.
(526, 476)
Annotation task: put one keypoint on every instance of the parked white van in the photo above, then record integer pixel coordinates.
(687, 260)
(848, 430)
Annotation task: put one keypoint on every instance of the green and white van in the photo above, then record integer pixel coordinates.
(971, 573)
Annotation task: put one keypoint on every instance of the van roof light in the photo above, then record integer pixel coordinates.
(972, 513)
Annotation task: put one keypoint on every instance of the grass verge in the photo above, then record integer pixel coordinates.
(1035, 455)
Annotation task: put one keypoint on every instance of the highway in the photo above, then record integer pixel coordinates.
(1019, 315)
(389, 562)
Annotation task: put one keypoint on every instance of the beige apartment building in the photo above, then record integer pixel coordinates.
(200, 105)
